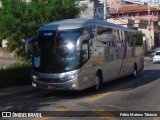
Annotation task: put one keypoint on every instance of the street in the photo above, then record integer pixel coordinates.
(126, 94)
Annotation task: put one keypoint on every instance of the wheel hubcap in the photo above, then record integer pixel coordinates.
(97, 82)
(135, 73)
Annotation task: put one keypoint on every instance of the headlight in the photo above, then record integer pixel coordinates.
(72, 77)
(69, 76)
(34, 77)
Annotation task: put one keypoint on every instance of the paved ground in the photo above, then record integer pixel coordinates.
(16, 90)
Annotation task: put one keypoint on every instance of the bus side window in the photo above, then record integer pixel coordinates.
(85, 52)
(104, 35)
(126, 39)
(138, 38)
(116, 36)
(130, 38)
(122, 37)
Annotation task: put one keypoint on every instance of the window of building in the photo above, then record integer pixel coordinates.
(124, 15)
(129, 14)
(120, 15)
(133, 14)
(136, 14)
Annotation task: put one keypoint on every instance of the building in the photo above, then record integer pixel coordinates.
(88, 6)
(142, 2)
(148, 24)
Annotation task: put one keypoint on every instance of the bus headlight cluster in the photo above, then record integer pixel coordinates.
(34, 77)
(70, 76)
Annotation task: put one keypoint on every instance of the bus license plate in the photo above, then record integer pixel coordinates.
(51, 87)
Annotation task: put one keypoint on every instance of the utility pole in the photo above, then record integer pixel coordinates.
(105, 10)
(149, 29)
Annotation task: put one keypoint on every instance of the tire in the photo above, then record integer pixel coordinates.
(97, 82)
(134, 74)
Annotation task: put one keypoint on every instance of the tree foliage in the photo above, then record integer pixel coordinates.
(138, 37)
(20, 20)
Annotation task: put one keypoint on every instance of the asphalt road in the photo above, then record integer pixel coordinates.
(122, 95)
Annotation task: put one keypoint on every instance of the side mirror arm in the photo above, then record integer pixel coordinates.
(27, 42)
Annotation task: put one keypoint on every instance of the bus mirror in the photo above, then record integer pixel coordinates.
(86, 34)
(86, 37)
(84, 53)
(84, 56)
(28, 45)
(93, 32)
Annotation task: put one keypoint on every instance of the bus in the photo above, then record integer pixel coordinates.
(76, 54)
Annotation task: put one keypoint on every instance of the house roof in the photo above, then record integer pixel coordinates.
(134, 8)
(114, 9)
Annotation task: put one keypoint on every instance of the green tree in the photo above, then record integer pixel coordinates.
(20, 20)
(138, 37)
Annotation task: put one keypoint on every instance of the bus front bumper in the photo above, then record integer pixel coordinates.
(69, 85)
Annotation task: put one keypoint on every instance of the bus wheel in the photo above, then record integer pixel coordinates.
(134, 74)
(97, 82)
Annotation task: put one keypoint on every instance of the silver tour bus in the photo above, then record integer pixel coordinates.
(76, 54)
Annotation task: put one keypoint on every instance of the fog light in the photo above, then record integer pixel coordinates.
(74, 85)
(34, 85)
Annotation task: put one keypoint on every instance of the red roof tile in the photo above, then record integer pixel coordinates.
(134, 8)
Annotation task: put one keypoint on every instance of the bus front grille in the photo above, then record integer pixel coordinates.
(45, 80)
(51, 80)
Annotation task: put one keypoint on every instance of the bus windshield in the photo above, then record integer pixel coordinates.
(58, 51)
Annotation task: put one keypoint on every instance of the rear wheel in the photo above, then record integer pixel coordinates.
(97, 82)
(134, 74)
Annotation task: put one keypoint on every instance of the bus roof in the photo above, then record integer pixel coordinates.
(79, 23)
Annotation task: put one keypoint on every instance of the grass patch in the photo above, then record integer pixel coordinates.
(15, 75)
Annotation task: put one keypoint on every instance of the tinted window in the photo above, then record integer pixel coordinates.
(57, 51)
(66, 45)
(105, 35)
